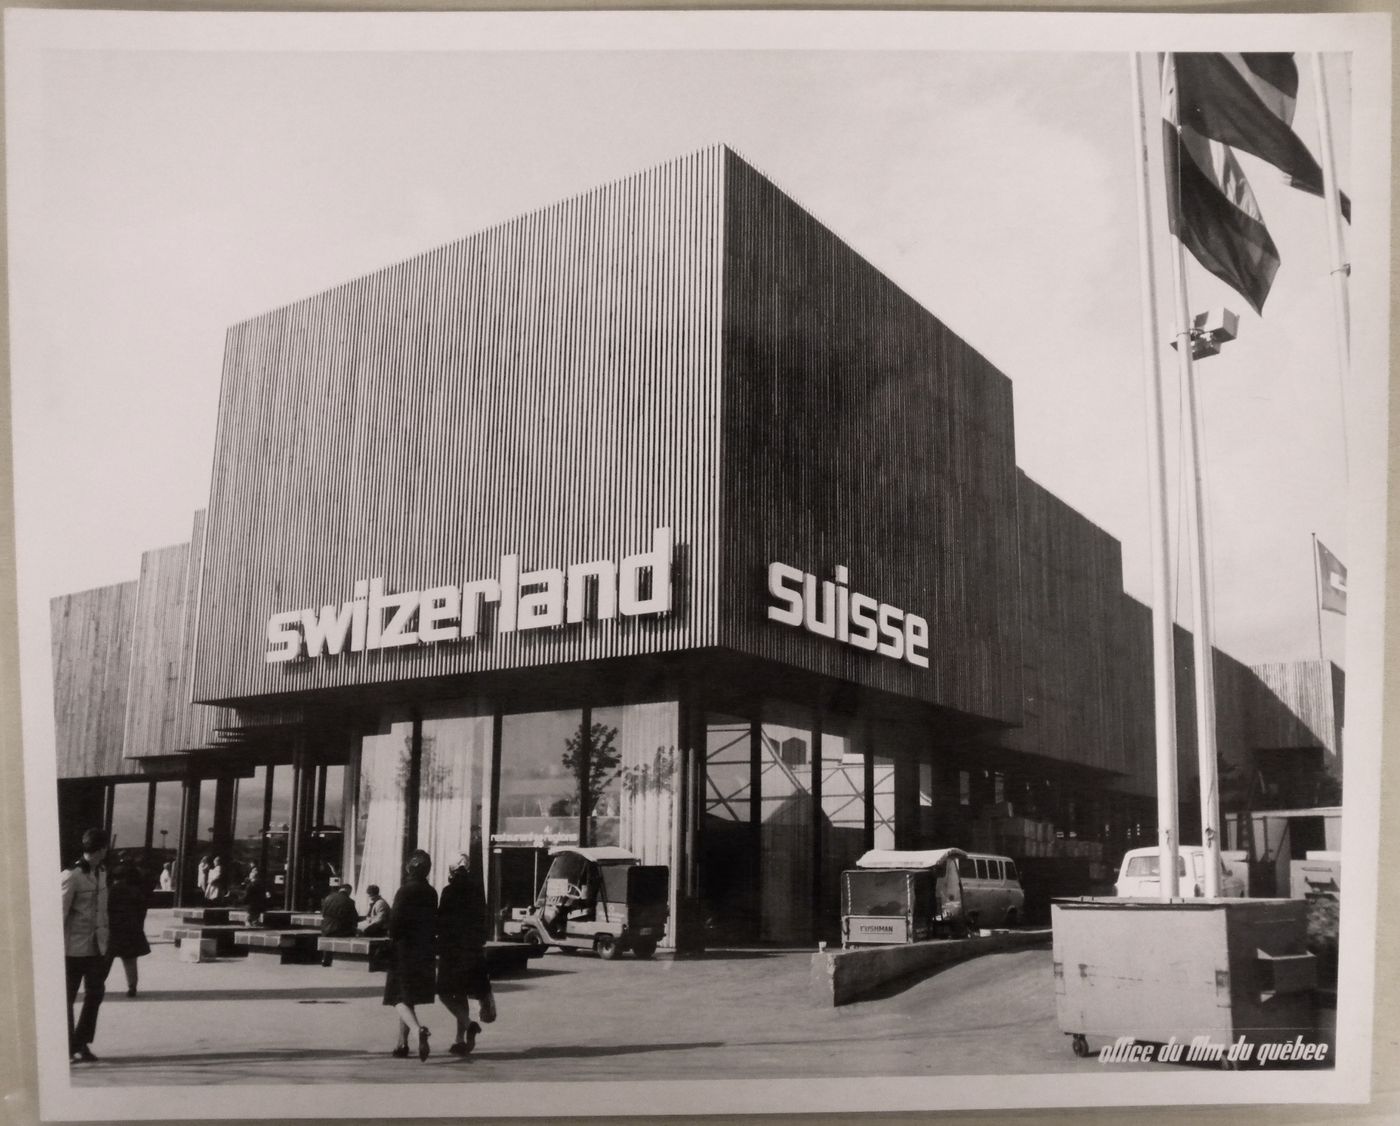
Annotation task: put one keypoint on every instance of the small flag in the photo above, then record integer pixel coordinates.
(1211, 208)
(1246, 101)
(1331, 580)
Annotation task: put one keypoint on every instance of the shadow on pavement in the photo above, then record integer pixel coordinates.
(285, 994)
(582, 1051)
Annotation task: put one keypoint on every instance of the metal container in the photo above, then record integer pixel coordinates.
(1187, 969)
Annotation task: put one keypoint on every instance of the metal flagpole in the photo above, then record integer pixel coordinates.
(1317, 596)
(1341, 269)
(1163, 663)
(1205, 670)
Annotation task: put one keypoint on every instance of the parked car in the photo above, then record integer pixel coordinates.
(1140, 877)
(992, 893)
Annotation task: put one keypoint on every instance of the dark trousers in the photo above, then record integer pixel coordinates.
(91, 973)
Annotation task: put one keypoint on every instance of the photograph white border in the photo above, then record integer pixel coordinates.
(1367, 38)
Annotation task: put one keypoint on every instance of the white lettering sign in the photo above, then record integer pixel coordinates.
(831, 609)
(376, 618)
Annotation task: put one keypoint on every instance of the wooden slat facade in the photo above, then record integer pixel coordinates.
(546, 388)
(1071, 586)
(91, 639)
(153, 702)
(160, 717)
(1307, 706)
(859, 431)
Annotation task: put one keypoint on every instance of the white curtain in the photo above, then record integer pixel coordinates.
(380, 805)
(650, 781)
(450, 787)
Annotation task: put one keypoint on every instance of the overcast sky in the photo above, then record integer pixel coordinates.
(159, 196)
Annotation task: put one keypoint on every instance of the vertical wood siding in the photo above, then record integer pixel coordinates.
(153, 702)
(1071, 586)
(546, 388)
(160, 719)
(860, 431)
(91, 637)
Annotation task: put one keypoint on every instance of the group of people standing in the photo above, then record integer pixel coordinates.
(437, 944)
(104, 920)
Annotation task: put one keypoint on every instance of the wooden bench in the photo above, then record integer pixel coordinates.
(283, 920)
(212, 916)
(222, 934)
(509, 959)
(503, 959)
(354, 951)
(293, 947)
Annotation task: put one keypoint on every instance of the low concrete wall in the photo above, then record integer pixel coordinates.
(841, 976)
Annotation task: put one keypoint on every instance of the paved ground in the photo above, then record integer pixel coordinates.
(742, 1015)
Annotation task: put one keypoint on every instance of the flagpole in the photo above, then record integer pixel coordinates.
(1317, 596)
(1163, 660)
(1205, 668)
(1341, 269)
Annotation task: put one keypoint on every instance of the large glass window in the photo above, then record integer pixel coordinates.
(129, 816)
(843, 802)
(727, 871)
(165, 827)
(884, 803)
(385, 760)
(249, 819)
(785, 815)
(453, 777)
(634, 779)
(539, 791)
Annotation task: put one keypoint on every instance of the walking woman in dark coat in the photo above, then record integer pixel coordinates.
(461, 972)
(126, 922)
(412, 928)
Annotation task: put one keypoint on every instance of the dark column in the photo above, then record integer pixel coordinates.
(819, 909)
(224, 795)
(756, 827)
(488, 830)
(150, 815)
(303, 781)
(186, 858)
(415, 773)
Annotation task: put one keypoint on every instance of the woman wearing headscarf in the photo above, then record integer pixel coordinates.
(126, 922)
(461, 971)
(412, 928)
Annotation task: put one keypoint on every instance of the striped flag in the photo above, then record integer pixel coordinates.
(1247, 101)
(1211, 208)
(1331, 581)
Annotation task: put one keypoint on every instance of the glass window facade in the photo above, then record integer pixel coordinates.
(454, 774)
(843, 804)
(128, 831)
(637, 760)
(785, 822)
(381, 807)
(541, 754)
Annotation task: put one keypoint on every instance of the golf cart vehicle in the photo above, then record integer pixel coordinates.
(602, 899)
(899, 896)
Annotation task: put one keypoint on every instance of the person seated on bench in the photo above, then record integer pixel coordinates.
(377, 919)
(338, 917)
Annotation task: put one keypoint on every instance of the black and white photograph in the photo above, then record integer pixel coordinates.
(610, 563)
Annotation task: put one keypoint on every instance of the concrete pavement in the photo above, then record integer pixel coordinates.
(743, 1014)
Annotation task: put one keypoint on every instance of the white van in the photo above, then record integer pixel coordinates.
(1139, 877)
(991, 889)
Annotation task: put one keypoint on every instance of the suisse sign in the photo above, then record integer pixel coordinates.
(554, 596)
(831, 609)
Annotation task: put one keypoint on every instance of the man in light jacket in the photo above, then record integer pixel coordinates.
(85, 941)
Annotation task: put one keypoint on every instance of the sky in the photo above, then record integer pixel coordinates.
(159, 196)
